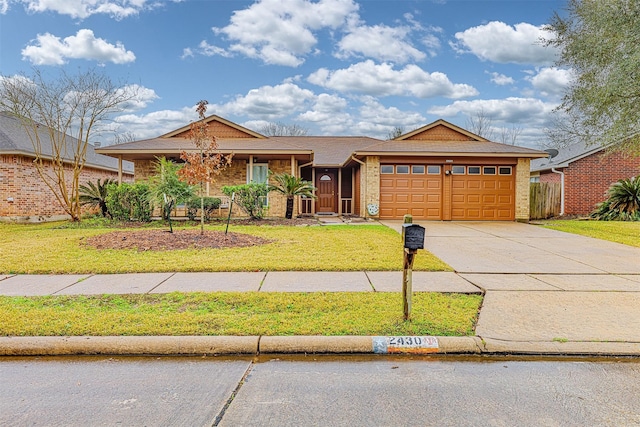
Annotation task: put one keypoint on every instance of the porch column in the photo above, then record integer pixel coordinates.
(120, 169)
(293, 165)
(313, 203)
(340, 191)
(250, 174)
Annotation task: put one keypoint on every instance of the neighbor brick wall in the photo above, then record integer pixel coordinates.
(550, 177)
(587, 179)
(32, 199)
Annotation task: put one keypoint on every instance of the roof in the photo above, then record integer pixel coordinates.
(14, 140)
(565, 156)
(329, 151)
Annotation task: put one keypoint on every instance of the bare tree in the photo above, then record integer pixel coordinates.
(201, 166)
(395, 132)
(281, 129)
(69, 107)
(121, 138)
(510, 135)
(481, 124)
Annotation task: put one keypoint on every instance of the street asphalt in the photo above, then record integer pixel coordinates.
(545, 292)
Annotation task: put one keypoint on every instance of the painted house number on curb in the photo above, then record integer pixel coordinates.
(405, 344)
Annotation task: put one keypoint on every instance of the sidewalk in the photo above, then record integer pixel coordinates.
(545, 292)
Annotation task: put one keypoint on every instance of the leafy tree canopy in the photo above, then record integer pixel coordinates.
(599, 41)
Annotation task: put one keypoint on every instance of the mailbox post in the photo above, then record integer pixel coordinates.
(413, 240)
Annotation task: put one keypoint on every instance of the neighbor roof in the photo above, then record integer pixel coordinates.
(565, 156)
(15, 140)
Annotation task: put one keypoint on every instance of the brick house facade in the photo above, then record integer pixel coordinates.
(439, 171)
(24, 196)
(587, 173)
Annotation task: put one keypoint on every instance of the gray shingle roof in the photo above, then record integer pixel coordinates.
(565, 156)
(14, 140)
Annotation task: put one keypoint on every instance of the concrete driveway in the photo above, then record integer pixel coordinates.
(511, 247)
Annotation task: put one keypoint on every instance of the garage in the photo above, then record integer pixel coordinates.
(481, 192)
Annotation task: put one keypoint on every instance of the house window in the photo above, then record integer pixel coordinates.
(489, 170)
(504, 170)
(386, 169)
(402, 169)
(417, 169)
(473, 170)
(433, 170)
(457, 170)
(534, 179)
(259, 175)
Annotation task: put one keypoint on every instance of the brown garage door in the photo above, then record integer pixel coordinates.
(442, 192)
(482, 193)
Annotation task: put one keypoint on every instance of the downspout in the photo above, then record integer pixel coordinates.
(561, 189)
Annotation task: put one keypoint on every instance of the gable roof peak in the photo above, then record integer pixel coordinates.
(215, 118)
(440, 122)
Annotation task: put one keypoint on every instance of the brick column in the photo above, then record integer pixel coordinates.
(522, 190)
(370, 191)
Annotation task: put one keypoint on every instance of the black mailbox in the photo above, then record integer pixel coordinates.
(413, 236)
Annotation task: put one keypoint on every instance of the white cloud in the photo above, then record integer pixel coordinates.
(268, 102)
(383, 80)
(51, 50)
(281, 32)
(154, 124)
(502, 43)
(143, 97)
(324, 108)
(81, 9)
(511, 110)
(551, 81)
(379, 42)
(381, 117)
(501, 79)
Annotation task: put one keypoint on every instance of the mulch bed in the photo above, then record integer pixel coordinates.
(162, 240)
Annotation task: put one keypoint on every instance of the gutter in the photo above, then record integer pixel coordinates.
(561, 189)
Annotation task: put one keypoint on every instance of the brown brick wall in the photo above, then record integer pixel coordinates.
(32, 199)
(587, 180)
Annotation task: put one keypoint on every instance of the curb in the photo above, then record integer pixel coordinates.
(255, 345)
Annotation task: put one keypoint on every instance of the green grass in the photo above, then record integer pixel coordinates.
(624, 232)
(48, 248)
(241, 314)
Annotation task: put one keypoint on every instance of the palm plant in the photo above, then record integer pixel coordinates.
(291, 186)
(166, 188)
(623, 201)
(95, 195)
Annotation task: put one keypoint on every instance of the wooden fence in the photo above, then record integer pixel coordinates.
(544, 200)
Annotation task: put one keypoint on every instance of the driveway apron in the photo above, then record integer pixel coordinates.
(541, 284)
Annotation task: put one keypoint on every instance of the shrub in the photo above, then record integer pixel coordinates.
(623, 203)
(251, 198)
(210, 205)
(129, 202)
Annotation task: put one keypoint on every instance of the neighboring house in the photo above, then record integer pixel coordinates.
(438, 172)
(23, 194)
(584, 172)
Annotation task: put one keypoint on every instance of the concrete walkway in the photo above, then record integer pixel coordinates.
(546, 292)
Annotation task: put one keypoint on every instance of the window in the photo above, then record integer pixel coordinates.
(417, 169)
(402, 169)
(534, 179)
(489, 170)
(386, 169)
(433, 170)
(504, 170)
(473, 170)
(260, 173)
(457, 170)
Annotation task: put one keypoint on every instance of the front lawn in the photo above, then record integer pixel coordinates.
(48, 248)
(626, 232)
(249, 313)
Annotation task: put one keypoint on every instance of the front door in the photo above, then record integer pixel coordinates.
(326, 184)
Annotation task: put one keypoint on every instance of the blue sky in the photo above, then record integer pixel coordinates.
(334, 67)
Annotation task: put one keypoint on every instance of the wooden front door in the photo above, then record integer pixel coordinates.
(327, 185)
